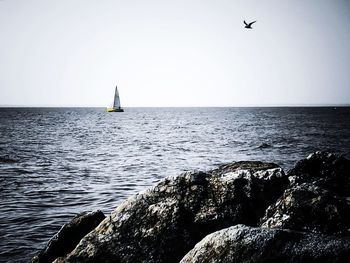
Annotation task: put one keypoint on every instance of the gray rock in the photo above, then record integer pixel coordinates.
(244, 244)
(308, 207)
(327, 170)
(69, 236)
(165, 222)
(318, 197)
(243, 165)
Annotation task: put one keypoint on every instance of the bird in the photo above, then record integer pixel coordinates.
(249, 26)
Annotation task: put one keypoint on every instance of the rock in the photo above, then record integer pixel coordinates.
(318, 197)
(245, 244)
(328, 170)
(69, 236)
(308, 207)
(243, 165)
(166, 221)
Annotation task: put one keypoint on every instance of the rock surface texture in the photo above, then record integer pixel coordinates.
(239, 212)
(69, 236)
(318, 198)
(307, 207)
(244, 244)
(327, 170)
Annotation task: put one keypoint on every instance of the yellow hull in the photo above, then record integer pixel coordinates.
(114, 110)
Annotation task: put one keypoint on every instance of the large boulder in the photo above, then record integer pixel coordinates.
(69, 236)
(328, 170)
(308, 207)
(243, 244)
(163, 223)
(317, 199)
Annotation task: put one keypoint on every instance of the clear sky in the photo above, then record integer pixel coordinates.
(174, 53)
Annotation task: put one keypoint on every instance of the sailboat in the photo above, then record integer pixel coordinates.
(116, 104)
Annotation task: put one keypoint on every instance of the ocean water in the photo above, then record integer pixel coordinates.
(55, 163)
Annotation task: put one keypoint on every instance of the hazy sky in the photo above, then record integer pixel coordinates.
(174, 53)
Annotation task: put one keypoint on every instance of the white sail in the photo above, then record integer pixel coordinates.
(116, 103)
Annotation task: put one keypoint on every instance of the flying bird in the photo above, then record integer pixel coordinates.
(249, 26)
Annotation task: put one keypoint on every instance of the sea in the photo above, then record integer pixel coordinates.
(57, 162)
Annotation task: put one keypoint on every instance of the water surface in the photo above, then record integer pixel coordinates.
(57, 162)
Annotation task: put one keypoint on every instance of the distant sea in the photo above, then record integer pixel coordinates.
(56, 162)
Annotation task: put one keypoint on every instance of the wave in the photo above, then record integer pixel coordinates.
(8, 159)
(264, 145)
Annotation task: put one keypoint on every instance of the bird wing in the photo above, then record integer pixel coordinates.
(251, 23)
(245, 22)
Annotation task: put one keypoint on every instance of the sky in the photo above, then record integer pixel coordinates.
(174, 53)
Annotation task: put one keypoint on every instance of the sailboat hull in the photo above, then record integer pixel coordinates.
(114, 110)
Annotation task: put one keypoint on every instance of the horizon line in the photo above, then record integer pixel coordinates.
(231, 106)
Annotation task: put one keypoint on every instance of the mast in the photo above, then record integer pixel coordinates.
(116, 103)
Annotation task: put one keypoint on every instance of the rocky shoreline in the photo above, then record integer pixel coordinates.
(239, 212)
